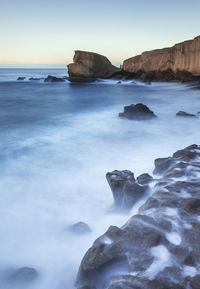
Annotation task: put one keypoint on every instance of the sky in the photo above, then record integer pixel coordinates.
(45, 33)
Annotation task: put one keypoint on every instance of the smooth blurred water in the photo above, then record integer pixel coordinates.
(58, 140)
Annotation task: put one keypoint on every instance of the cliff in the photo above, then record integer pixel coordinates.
(184, 56)
(90, 65)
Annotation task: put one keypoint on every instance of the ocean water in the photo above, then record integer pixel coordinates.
(58, 140)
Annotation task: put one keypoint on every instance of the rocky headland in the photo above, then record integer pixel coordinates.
(158, 248)
(178, 63)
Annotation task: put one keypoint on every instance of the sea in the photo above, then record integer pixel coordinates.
(58, 141)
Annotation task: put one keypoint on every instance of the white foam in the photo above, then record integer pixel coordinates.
(162, 259)
(173, 238)
(189, 271)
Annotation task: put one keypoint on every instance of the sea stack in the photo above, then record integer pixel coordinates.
(88, 66)
(184, 56)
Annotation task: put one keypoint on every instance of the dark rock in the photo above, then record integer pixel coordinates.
(126, 192)
(137, 112)
(80, 228)
(51, 78)
(185, 114)
(87, 287)
(152, 249)
(187, 154)
(21, 78)
(162, 164)
(34, 78)
(23, 275)
(191, 206)
(144, 179)
(195, 282)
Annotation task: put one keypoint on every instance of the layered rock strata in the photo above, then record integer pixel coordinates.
(159, 247)
(184, 56)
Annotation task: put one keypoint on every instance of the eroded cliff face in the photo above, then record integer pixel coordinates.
(90, 65)
(183, 56)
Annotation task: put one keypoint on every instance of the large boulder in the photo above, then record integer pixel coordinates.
(90, 66)
(137, 112)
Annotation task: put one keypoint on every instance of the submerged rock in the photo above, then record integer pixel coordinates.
(22, 275)
(51, 78)
(185, 114)
(89, 66)
(137, 112)
(80, 228)
(159, 247)
(126, 192)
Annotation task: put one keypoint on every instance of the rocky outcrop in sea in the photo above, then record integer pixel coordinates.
(88, 66)
(159, 247)
(178, 63)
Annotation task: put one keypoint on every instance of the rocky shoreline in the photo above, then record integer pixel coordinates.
(159, 246)
(177, 63)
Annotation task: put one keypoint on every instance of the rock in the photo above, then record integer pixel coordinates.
(23, 275)
(87, 287)
(187, 154)
(90, 66)
(21, 78)
(195, 282)
(185, 114)
(180, 59)
(162, 164)
(80, 228)
(144, 179)
(126, 192)
(34, 78)
(137, 112)
(51, 78)
(159, 247)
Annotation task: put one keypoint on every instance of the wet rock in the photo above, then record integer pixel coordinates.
(21, 78)
(125, 248)
(80, 228)
(185, 114)
(191, 206)
(195, 282)
(187, 154)
(126, 192)
(159, 247)
(177, 170)
(137, 112)
(51, 78)
(23, 275)
(144, 179)
(162, 164)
